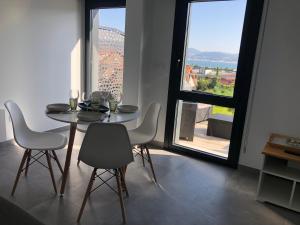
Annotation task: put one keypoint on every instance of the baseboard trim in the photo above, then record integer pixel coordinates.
(12, 141)
(158, 144)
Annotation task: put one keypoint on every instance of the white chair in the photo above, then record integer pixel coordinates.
(106, 146)
(146, 132)
(44, 143)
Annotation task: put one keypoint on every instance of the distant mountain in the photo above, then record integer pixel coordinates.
(196, 55)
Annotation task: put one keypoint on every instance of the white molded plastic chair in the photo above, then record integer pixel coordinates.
(106, 146)
(43, 142)
(146, 132)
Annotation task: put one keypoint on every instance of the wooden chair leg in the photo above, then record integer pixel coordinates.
(28, 161)
(19, 172)
(57, 161)
(150, 161)
(118, 177)
(87, 193)
(51, 171)
(142, 154)
(122, 173)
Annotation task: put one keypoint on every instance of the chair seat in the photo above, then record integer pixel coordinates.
(43, 141)
(138, 138)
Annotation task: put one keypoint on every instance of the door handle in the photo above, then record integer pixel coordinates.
(178, 62)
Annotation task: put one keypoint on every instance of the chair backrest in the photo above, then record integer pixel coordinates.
(150, 122)
(106, 146)
(20, 127)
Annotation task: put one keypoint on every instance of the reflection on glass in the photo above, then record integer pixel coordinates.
(204, 127)
(212, 46)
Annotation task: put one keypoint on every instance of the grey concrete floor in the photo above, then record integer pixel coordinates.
(189, 192)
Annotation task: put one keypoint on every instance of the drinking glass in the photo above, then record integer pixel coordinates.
(73, 100)
(113, 105)
(114, 102)
(86, 98)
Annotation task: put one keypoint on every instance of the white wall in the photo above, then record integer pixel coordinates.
(157, 48)
(276, 96)
(133, 51)
(40, 49)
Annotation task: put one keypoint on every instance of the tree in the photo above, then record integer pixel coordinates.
(202, 84)
(217, 71)
(212, 83)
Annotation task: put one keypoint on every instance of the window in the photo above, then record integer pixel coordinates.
(212, 46)
(106, 49)
(214, 43)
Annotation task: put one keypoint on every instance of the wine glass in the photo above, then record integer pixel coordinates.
(86, 98)
(73, 100)
(114, 101)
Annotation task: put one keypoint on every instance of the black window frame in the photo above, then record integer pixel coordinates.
(239, 101)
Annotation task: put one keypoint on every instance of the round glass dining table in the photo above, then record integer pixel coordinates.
(72, 119)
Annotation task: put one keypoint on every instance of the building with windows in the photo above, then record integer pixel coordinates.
(110, 60)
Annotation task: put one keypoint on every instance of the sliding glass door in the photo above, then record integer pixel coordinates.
(214, 47)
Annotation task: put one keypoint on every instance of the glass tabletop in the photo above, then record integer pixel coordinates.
(71, 117)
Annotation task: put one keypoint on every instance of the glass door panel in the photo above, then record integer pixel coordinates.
(212, 46)
(203, 127)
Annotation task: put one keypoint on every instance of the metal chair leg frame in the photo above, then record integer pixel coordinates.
(28, 161)
(27, 156)
(118, 173)
(142, 154)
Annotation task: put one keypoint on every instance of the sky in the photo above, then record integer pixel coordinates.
(113, 18)
(214, 26)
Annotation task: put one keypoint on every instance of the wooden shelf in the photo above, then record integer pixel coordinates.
(279, 152)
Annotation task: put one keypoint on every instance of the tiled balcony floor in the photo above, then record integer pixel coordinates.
(209, 144)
